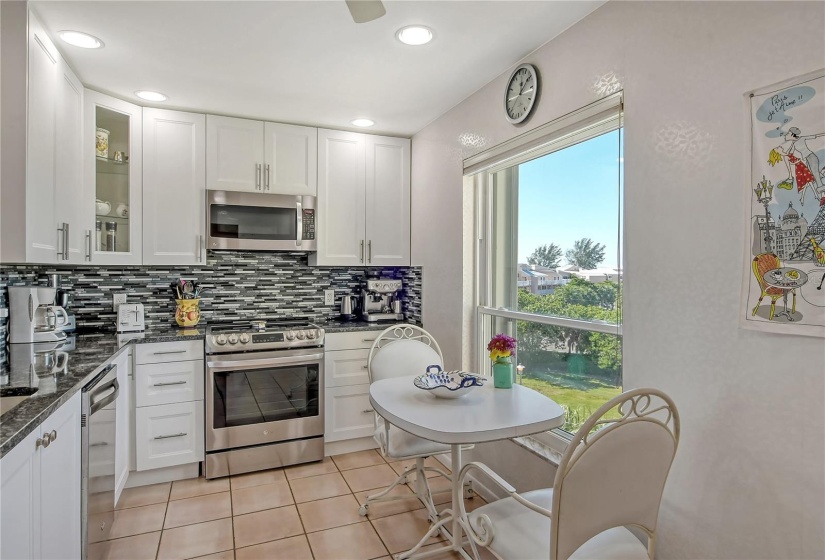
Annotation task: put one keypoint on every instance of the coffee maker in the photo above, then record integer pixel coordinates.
(34, 317)
(380, 301)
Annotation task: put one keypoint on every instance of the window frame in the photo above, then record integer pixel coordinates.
(596, 119)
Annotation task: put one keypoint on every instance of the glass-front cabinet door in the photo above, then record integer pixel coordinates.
(113, 193)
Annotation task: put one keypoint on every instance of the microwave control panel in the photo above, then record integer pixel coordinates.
(309, 223)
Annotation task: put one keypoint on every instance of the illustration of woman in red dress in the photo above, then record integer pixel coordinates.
(797, 166)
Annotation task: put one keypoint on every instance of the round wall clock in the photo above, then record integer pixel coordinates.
(521, 93)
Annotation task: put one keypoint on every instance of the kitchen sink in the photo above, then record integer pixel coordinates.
(12, 396)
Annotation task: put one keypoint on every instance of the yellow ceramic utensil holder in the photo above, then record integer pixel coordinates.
(188, 313)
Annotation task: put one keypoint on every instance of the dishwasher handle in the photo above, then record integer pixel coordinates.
(96, 405)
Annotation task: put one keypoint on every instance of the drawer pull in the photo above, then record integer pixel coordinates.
(367, 411)
(169, 352)
(171, 436)
(169, 383)
(367, 340)
(364, 367)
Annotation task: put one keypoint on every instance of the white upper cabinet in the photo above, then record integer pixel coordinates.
(41, 144)
(113, 166)
(245, 155)
(388, 201)
(234, 154)
(341, 208)
(363, 200)
(69, 167)
(42, 237)
(291, 159)
(174, 182)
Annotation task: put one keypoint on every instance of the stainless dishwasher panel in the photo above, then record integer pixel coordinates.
(98, 439)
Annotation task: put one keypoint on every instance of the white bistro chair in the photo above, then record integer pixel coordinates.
(404, 350)
(607, 480)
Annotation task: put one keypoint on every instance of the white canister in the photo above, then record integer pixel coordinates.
(122, 210)
(102, 143)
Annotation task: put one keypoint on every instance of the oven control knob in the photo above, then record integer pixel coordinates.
(311, 334)
(301, 335)
(221, 339)
(233, 339)
(290, 335)
(244, 338)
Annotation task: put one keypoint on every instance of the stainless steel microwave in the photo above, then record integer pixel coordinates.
(260, 222)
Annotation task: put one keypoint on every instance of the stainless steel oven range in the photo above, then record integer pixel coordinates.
(264, 396)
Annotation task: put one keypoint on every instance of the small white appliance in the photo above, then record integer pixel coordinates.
(130, 317)
(33, 315)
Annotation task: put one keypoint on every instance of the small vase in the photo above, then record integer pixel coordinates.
(503, 373)
(188, 313)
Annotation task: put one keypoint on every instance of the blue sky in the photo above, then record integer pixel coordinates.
(571, 194)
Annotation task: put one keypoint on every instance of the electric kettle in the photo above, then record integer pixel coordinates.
(348, 306)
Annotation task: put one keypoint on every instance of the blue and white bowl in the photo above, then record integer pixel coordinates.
(448, 384)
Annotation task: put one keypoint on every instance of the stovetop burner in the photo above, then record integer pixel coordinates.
(272, 334)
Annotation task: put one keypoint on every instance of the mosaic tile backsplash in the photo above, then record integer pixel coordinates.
(238, 285)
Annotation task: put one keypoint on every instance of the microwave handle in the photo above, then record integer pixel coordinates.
(300, 223)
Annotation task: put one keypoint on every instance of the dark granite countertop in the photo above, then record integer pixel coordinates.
(339, 326)
(87, 354)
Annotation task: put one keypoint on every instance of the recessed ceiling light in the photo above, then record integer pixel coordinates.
(82, 40)
(415, 35)
(363, 122)
(151, 95)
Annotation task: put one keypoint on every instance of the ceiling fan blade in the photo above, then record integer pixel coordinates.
(365, 10)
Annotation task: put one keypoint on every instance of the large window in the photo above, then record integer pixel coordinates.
(550, 265)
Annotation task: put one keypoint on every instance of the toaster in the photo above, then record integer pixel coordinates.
(130, 317)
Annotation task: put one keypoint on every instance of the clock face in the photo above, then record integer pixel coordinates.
(521, 93)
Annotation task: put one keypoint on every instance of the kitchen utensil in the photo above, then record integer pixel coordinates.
(348, 305)
(447, 384)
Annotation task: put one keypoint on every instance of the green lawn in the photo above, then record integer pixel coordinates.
(578, 403)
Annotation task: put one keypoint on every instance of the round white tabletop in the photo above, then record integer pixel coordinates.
(485, 414)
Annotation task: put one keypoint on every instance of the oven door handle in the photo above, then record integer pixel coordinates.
(251, 363)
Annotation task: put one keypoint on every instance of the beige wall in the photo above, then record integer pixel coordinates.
(749, 480)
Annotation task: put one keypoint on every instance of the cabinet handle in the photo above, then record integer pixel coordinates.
(369, 251)
(362, 250)
(169, 383)
(367, 340)
(53, 435)
(201, 249)
(267, 176)
(43, 441)
(88, 245)
(258, 176)
(367, 411)
(364, 367)
(171, 436)
(63, 240)
(169, 352)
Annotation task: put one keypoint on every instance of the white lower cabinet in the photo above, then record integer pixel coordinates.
(349, 413)
(169, 406)
(168, 435)
(40, 489)
(347, 410)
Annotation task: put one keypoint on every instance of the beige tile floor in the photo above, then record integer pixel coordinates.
(305, 512)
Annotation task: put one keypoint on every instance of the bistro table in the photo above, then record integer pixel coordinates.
(484, 414)
(779, 278)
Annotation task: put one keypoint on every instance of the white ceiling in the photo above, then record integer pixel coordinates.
(305, 62)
